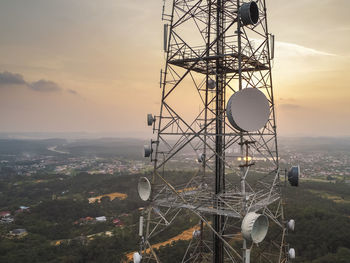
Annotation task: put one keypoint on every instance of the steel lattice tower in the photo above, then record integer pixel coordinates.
(212, 52)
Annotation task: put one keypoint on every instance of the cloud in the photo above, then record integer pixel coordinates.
(286, 49)
(290, 106)
(14, 79)
(44, 86)
(9, 79)
(286, 99)
(291, 50)
(72, 91)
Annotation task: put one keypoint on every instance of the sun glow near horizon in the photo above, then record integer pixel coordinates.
(96, 66)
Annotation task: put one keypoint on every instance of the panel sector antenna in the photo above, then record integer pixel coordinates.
(216, 172)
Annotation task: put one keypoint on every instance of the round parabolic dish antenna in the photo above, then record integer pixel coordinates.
(254, 227)
(137, 257)
(211, 84)
(293, 175)
(147, 151)
(249, 13)
(291, 224)
(144, 188)
(248, 110)
(150, 119)
(291, 253)
(196, 233)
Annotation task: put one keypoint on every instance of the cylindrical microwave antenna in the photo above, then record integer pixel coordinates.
(141, 226)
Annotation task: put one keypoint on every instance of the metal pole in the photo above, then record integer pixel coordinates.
(246, 257)
(201, 244)
(219, 143)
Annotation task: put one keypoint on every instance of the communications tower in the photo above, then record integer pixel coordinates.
(215, 153)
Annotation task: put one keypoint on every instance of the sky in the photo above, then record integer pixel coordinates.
(93, 66)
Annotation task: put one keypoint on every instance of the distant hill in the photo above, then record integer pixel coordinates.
(316, 143)
(104, 147)
(107, 147)
(18, 147)
(132, 148)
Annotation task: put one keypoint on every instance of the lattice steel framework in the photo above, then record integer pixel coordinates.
(210, 55)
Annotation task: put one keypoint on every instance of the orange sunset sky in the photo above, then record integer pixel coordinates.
(93, 66)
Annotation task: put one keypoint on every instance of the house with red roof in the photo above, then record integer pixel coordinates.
(117, 222)
(5, 214)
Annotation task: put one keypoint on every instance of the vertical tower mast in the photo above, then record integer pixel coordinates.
(217, 123)
(219, 129)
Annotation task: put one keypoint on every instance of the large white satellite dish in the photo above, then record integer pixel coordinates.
(248, 110)
(144, 188)
(254, 227)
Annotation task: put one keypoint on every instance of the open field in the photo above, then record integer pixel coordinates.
(185, 235)
(112, 196)
(335, 198)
